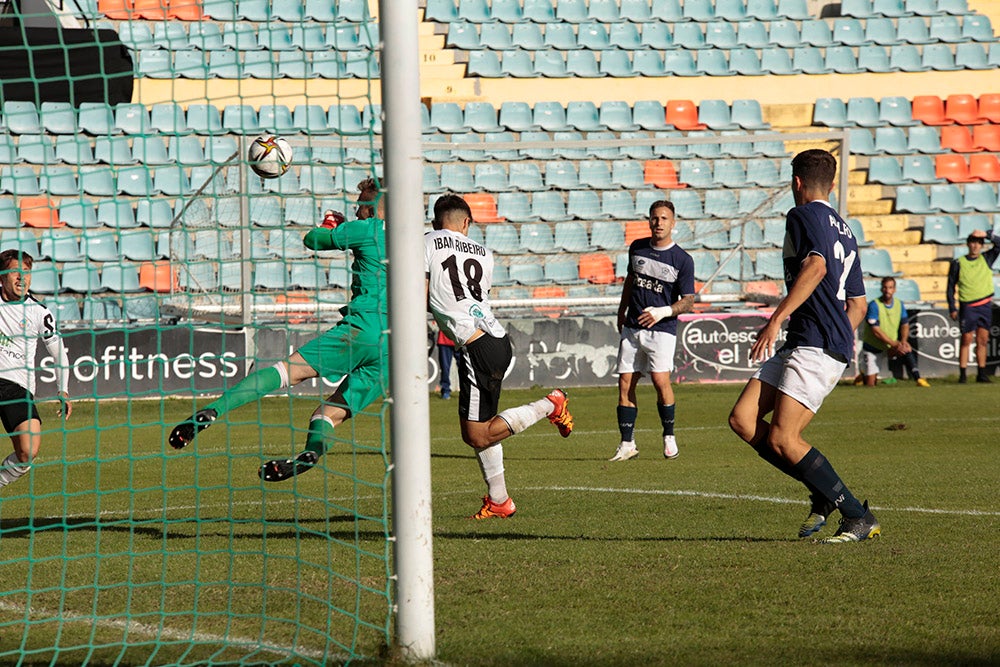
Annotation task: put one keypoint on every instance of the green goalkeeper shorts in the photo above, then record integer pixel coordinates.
(360, 354)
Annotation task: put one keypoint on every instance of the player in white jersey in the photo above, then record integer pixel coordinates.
(459, 276)
(23, 320)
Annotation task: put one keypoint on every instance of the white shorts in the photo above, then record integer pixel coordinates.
(868, 362)
(807, 374)
(645, 351)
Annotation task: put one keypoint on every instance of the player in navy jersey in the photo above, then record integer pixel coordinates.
(824, 305)
(459, 277)
(658, 287)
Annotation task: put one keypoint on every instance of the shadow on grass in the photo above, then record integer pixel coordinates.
(606, 538)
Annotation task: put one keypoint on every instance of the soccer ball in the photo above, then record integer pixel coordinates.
(269, 156)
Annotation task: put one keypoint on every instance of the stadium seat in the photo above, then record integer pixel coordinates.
(985, 168)
(483, 207)
(607, 235)
(78, 213)
(19, 180)
(515, 207)
(963, 109)
(687, 204)
(595, 174)
(906, 58)
(637, 229)
(20, 118)
(939, 57)
(45, 278)
(929, 110)
(120, 277)
(488, 177)
(676, 62)
(881, 30)
(877, 262)
(946, 28)
(615, 204)
(941, 229)
(862, 142)
(572, 237)
(958, 138)
(831, 112)
(517, 117)
(978, 196)
(35, 149)
(874, 58)
(527, 274)
(972, 56)
(561, 175)
(593, 35)
(57, 118)
(661, 174)
(39, 212)
(683, 114)
(953, 168)
(597, 268)
(948, 198)
(81, 277)
(919, 169)
(526, 177)
(696, 174)
(650, 115)
(924, 139)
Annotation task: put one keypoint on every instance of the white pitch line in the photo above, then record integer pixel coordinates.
(765, 499)
(168, 633)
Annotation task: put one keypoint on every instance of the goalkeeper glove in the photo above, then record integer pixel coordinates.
(331, 219)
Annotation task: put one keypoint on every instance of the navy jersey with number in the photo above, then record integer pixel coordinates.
(821, 321)
(660, 277)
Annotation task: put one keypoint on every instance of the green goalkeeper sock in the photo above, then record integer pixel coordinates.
(251, 388)
(320, 433)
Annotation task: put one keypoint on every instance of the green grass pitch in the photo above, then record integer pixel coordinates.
(692, 561)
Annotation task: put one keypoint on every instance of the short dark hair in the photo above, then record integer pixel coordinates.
(972, 238)
(661, 203)
(888, 279)
(815, 167)
(7, 257)
(447, 204)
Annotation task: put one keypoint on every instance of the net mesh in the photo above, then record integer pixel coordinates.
(172, 271)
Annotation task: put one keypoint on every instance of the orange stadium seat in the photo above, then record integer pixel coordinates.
(40, 212)
(989, 107)
(986, 137)
(662, 174)
(549, 292)
(158, 277)
(115, 9)
(683, 114)
(636, 229)
(985, 167)
(963, 109)
(597, 268)
(484, 207)
(151, 10)
(958, 138)
(929, 110)
(185, 10)
(952, 167)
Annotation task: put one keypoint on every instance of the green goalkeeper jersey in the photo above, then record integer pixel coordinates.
(366, 241)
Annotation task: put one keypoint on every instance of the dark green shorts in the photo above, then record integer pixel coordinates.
(359, 354)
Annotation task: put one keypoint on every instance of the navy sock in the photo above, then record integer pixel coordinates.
(666, 417)
(816, 472)
(626, 422)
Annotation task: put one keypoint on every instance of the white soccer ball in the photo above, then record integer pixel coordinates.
(269, 156)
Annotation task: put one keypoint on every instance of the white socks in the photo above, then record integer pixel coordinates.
(12, 469)
(491, 463)
(523, 416)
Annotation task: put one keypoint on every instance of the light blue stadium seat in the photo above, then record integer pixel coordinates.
(978, 196)
(941, 229)
(549, 206)
(120, 277)
(886, 171)
(716, 115)
(457, 177)
(705, 264)
(97, 181)
(763, 172)
(507, 11)
(745, 62)
(770, 265)
(593, 35)
(689, 36)
(435, 154)
(100, 312)
(527, 274)
(528, 36)
(831, 112)
(58, 118)
(650, 115)
(752, 34)
(975, 27)
(45, 278)
(65, 308)
(687, 204)
(678, 62)
(481, 117)
(863, 143)
(515, 207)
(893, 8)
(809, 60)
(696, 173)
(136, 35)
(137, 245)
(657, 36)
(776, 60)
(730, 173)
(501, 154)
(35, 149)
(168, 118)
(561, 37)
(550, 63)
(113, 150)
(561, 270)
(96, 119)
(517, 117)
(891, 141)
(721, 203)
(8, 150)
(913, 30)
(625, 36)
(786, 34)
(561, 175)
(204, 119)
(583, 116)
(273, 275)
(23, 240)
(76, 213)
(774, 232)
(536, 237)
(877, 262)
(19, 180)
(526, 177)
(628, 174)
(345, 119)
(924, 139)
(21, 118)
(972, 55)
(475, 11)
(607, 235)
(849, 31)
(73, 150)
(736, 265)
(58, 181)
(549, 116)
(490, 177)
(720, 35)
(191, 65)
(919, 169)
(132, 119)
(502, 239)
(713, 234)
(881, 31)
(275, 118)
(205, 36)
(946, 28)
(595, 174)
(816, 32)
(615, 204)
(938, 57)
(947, 197)
(155, 64)
(518, 64)
(170, 36)
(841, 59)
(584, 205)
(317, 180)
(447, 117)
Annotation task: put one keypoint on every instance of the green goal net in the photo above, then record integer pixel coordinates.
(172, 270)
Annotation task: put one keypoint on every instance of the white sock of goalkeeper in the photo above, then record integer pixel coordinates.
(12, 469)
(491, 463)
(523, 416)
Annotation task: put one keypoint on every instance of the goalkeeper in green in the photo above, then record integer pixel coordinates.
(355, 349)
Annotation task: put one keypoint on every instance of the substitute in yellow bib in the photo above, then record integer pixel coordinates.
(972, 275)
(886, 329)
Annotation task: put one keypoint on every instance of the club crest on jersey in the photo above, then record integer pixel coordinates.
(476, 311)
